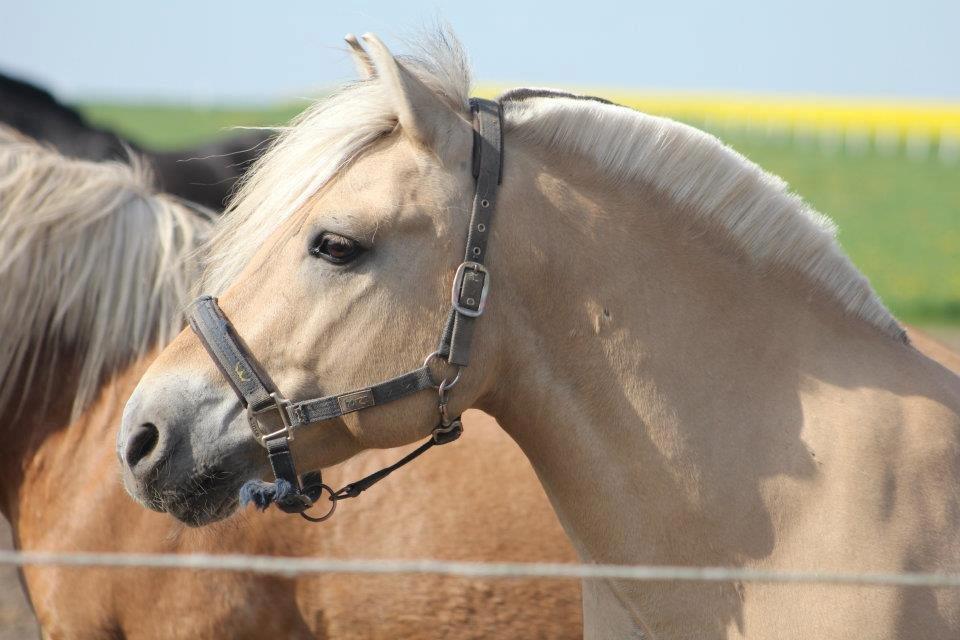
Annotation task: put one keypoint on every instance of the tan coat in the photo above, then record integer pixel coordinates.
(696, 372)
(476, 499)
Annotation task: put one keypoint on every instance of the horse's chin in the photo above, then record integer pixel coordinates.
(202, 500)
(196, 503)
(199, 513)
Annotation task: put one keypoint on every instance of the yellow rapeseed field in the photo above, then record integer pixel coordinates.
(933, 121)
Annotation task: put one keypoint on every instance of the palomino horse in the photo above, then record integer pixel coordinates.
(697, 372)
(205, 174)
(95, 269)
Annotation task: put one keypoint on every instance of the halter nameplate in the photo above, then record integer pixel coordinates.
(260, 396)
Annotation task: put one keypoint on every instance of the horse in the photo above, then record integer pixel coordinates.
(696, 371)
(205, 174)
(96, 265)
(51, 452)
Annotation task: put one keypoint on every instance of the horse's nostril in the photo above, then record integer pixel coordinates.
(143, 439)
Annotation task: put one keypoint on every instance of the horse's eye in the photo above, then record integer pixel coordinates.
(334, 248)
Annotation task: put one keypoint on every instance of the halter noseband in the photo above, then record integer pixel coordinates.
(261, 397)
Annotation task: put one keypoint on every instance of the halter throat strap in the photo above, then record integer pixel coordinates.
(261, 397)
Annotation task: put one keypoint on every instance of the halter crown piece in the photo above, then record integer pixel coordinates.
(263, 401)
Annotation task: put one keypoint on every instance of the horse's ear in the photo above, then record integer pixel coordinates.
(361, 59)
(423, 115)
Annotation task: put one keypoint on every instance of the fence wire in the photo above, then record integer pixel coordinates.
(294, 567)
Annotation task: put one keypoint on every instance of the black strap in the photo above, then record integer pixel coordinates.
(320, 409)
(354, 489)
(488, 147)
(488, 138)
(281, 461)
(252, 385)
(229, 352)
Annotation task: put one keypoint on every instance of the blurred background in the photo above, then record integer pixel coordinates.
(856, 104)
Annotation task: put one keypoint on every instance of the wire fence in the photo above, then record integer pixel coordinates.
(295, 567)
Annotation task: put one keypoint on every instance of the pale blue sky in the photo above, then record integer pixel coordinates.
(235, 50)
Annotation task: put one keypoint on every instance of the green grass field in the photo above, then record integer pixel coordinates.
(899, 219)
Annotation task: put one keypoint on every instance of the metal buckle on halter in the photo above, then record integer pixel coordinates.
(466, 303)
(282, 406)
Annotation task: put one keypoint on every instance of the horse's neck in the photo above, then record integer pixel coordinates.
(657, 383)
(44, 449)
(30, 417)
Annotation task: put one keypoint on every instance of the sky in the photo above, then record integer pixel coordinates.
(236, 51)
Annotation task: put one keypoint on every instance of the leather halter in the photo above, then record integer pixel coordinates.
(261, 397)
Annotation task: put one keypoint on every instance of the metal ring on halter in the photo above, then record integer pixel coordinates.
(446, 424)
(444, 383)
(328, 514)
(442, 403)
(443, 388)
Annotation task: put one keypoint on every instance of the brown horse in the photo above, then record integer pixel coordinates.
(77, 249)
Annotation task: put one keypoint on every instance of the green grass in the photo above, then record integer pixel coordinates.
(899, 219)
(169, 127)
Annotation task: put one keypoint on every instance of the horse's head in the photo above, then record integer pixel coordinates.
(335, 268)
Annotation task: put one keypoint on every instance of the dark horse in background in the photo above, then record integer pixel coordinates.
(205, 174)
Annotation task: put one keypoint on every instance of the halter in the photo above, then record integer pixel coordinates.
(261, 397)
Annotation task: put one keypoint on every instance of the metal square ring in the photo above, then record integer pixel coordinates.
(281, 405)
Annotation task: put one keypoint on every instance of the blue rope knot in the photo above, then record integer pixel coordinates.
(262, 494)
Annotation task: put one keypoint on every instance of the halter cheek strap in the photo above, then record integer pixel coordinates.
(261, 397)
(472, 281)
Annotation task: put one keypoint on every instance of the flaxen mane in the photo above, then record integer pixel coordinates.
(725, 192)
(94, 264)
